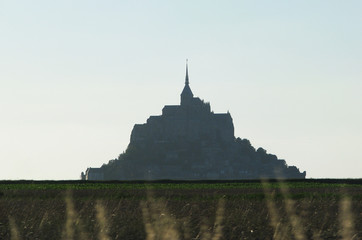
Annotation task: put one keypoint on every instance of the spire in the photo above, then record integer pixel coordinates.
(187, 73)
(186, 95)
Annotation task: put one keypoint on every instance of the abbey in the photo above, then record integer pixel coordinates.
(192, 121)
(190, 142)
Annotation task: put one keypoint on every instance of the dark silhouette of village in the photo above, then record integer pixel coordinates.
(190, 142)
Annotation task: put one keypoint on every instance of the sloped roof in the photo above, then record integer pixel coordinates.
(187, 91)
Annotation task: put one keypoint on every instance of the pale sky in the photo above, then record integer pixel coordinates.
(75, 76)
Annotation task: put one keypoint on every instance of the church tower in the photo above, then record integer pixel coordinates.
(186, 95)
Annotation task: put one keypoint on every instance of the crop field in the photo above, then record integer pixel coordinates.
(268, 209)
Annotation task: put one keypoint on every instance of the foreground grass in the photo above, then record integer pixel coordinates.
(181, 210)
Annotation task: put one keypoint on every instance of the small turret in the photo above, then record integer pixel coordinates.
(186, 95)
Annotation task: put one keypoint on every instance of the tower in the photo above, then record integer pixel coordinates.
(186, 95)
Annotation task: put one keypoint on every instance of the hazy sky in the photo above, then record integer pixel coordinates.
(75, 76)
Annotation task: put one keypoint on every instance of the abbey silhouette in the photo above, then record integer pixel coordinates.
(190, 142)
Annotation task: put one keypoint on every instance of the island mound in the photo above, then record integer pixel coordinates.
(190, 142)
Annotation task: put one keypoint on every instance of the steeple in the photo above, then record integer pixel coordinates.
(187, 73)
(186, 95)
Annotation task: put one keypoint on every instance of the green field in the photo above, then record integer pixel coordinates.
(304, 209)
